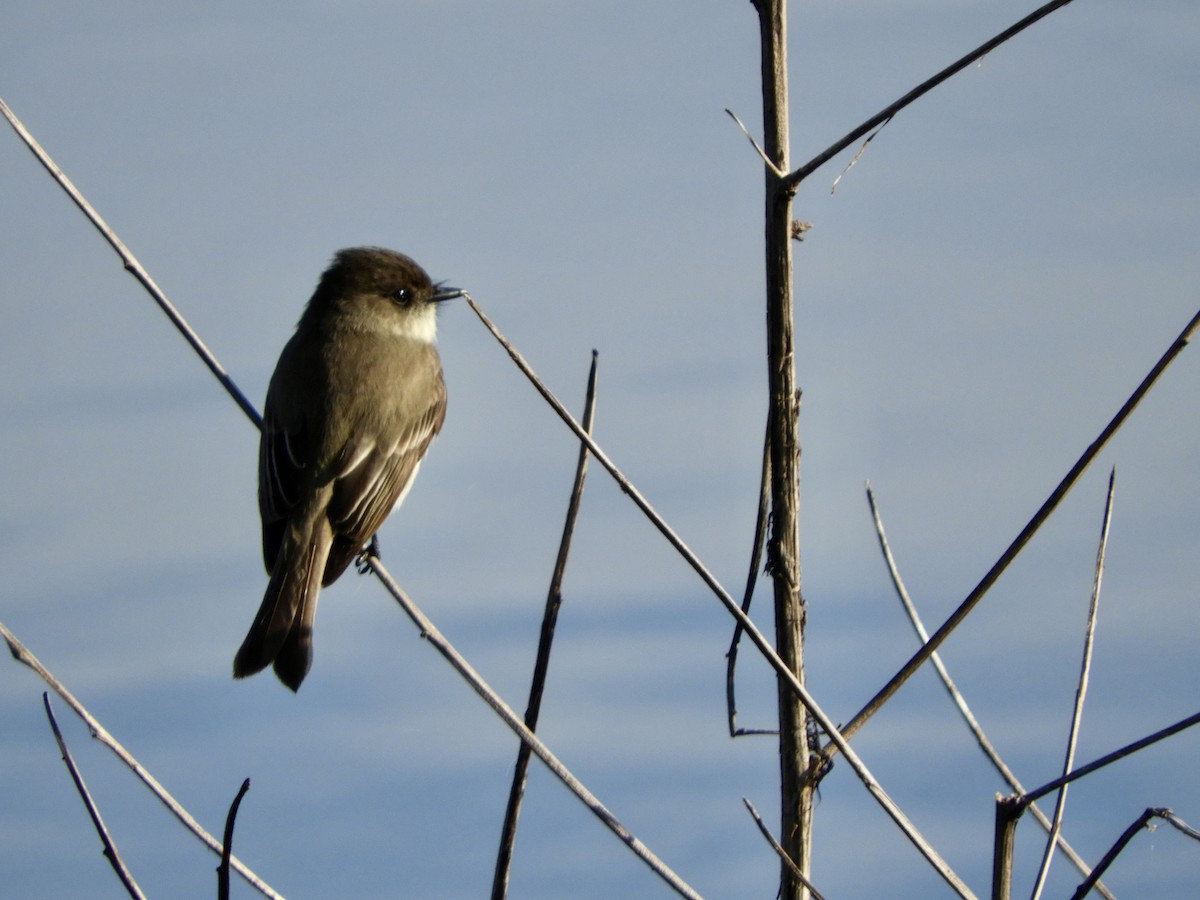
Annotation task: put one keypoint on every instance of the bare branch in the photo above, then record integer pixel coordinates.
(921, 656)
(789, 678)
(439, 643)
(756, 550)
(110, 848)
(1110, 758)
(1127, 835)
(1080, 692)
(778, 848)
(223, 868)
(794, 178)
(960, 701)
(22, 654)
(508, 832)
(857, 156)
(761, 152)
(133, 266)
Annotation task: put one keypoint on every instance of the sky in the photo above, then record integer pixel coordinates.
(974, 301)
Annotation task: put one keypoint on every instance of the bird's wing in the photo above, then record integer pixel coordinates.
(371, 479)
(282, 458)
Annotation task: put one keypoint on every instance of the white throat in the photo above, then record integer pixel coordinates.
(416, 325)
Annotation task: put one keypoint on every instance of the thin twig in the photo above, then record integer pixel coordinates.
(778, 848)
(756, 550)
(1179, 824)
(1110, 758)
(133, 266)
(959, 700)
(226, 852)
(761, 152)
(508, 833)
(788, 677)
(922, 655)
(1126, 836)
(857, 156)
(796, 176)
(22, 654)
(1141, 822)
(1080, 692)
(110, 848)
(438, 641)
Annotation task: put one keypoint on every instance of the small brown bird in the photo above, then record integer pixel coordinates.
(356, 398)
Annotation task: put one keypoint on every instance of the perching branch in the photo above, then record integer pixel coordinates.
(133, 266)
(439, 643)
(508, 832)
(796, 791)
(788, 678)
(20, 653)
(110, 848)
(852, 759)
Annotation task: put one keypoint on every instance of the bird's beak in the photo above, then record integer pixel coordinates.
(442, 292)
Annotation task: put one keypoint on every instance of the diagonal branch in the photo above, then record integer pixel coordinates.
(780, 852)
(793, 179)
(1039, 518)
(110, 849)
(133, 266)
(1110, 758)
(439, 643)
(1142, 821)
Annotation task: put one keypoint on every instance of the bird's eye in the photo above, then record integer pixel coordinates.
(400, 295)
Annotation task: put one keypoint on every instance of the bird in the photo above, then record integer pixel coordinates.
(354, 402)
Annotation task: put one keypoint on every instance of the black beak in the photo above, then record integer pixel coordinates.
(442, 292)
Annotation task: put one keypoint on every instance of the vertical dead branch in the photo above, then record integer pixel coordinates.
(508, 832)
(1008, 811)
(783, 547)
(1080, 693)
(227, 848)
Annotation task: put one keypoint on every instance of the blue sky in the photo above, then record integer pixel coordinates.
(976, 299)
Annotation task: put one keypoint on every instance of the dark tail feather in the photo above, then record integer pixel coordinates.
(282, 630)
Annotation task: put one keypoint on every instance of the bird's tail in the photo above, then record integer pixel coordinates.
(282, 630)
